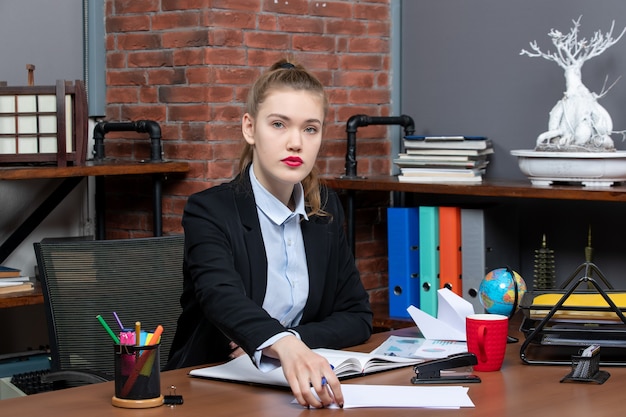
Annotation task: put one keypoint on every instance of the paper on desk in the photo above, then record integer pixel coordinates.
(10, 283)
(360, 396)
(450, 322)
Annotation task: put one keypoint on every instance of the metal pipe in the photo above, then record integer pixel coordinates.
(359, 120)
(150, 127)
(153, 129)
(354, 122)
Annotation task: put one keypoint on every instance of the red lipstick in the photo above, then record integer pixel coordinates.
(293, 161)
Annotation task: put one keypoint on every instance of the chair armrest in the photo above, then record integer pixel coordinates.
(80, 376)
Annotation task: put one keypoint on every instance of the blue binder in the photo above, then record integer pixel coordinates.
(403, 258)
(429, 258)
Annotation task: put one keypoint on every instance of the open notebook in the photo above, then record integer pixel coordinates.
(346, 364)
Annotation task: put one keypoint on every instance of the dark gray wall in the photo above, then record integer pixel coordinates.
(462, 72)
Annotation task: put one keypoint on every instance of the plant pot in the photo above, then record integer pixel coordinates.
(601, 169)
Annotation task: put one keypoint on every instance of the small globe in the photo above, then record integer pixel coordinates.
(497, 291)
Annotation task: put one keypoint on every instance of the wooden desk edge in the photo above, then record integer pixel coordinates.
(517, 390)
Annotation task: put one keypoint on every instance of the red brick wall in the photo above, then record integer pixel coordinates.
(187, 64)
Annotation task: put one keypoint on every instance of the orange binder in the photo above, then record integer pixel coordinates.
(450, 249)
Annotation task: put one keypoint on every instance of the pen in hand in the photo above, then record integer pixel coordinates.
(325, 385)
(324, 382)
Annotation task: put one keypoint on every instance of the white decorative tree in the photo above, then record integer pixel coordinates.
(577, 121)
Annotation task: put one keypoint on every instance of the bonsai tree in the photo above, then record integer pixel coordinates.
(577, 122)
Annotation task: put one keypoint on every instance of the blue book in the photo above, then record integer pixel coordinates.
(7, 272)
(429, 258)
(403, 258)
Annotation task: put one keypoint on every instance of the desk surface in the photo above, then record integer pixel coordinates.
(517, 390)
(92, 168)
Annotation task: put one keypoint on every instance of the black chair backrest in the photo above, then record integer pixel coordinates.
(139, 279)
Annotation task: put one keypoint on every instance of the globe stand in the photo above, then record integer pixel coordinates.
(516, 297)
(509, 338)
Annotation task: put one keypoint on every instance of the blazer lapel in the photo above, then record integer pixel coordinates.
(257, 280)
(315, 245)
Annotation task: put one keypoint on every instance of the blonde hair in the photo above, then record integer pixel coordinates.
(285, 73)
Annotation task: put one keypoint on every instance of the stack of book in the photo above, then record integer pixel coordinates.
(444, 158)
(11, 280)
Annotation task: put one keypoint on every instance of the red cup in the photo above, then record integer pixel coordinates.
(486, 338)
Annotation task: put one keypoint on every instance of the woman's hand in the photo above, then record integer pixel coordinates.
(235, 350)
(304, 369)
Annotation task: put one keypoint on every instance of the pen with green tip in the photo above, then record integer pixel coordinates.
(108, 329)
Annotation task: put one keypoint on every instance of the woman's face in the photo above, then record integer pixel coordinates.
(286, 136)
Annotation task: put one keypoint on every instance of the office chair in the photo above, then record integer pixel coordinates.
(139, 279)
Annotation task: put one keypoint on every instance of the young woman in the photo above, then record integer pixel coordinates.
(268, 271)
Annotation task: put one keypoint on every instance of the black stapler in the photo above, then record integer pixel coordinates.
(430, 372)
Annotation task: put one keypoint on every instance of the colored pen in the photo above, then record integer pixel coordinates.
(140, 364)
(324, 382)
(137, 333)
(119, 322)
(156, 335)
(108, 329)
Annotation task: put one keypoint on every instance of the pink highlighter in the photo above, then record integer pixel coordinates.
(127, 337)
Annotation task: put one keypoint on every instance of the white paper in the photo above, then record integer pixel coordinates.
(450, 322)
(453, 309)
(360, 396)
(10, 283)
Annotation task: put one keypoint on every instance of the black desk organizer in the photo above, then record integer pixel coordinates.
(543, 336)
(586, 369)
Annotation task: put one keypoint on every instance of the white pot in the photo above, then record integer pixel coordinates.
(588, 168)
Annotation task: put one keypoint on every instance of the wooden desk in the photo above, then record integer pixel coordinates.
(517, 390)
(72, 176)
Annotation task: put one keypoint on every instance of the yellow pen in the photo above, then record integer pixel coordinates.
(137, 333)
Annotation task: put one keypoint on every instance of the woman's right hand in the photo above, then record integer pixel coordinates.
(304, 369)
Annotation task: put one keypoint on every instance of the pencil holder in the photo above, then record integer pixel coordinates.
(586, 369)
(137, 376)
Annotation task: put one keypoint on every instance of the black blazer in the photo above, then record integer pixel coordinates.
(225, 277)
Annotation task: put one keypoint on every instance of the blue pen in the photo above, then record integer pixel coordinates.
(324, 382)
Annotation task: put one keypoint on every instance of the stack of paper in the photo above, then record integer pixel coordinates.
(12, 281)
(448, 397)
